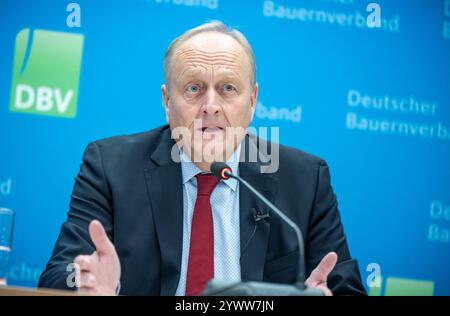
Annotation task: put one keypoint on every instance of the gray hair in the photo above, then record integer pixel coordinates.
(213, 26)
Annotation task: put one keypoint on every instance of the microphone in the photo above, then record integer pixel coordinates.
(257, 216)
(222, 171)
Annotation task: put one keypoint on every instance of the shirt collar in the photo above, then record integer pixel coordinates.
(190, 169)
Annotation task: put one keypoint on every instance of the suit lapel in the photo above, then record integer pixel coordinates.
(254, 245)
(166, 196)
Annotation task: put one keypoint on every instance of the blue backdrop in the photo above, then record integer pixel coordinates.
(373, 102)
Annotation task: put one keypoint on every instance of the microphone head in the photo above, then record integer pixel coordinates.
(221, 170)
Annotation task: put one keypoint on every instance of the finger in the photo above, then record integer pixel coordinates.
(83, 262)
(324, 268)
(87, 281)
(325, 289)
(98, 235)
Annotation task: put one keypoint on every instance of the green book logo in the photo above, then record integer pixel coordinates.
(46, 73)
(403, 287)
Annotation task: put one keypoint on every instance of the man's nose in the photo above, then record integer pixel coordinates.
(211, 105)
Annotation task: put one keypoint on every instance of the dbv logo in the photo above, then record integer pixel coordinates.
(46, 73)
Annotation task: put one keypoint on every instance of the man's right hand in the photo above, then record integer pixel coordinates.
(99, 273)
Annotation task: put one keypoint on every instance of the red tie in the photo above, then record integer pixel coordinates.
(201, 251)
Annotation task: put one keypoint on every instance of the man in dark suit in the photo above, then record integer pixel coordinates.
(146, 217)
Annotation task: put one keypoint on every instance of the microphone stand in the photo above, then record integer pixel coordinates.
(253, 288)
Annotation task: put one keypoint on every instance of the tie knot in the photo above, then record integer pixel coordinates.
(206, 183)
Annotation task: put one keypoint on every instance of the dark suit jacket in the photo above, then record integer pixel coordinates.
(131, 184)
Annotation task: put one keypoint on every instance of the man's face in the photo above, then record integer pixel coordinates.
(210, 80)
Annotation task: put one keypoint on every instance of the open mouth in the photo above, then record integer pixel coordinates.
(211, 129)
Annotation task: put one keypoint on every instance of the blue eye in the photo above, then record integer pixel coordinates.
(229, 88)
(193, 89)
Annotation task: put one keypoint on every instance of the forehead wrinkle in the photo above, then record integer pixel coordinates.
(191, 64)
(228, 73)
(211, 60)
(189, 58)
(207, 64)
(191, 70)
(209, 57)
(192, 55)
(190, 51)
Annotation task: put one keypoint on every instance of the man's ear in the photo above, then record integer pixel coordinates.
(254, 99)
(165, 100)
